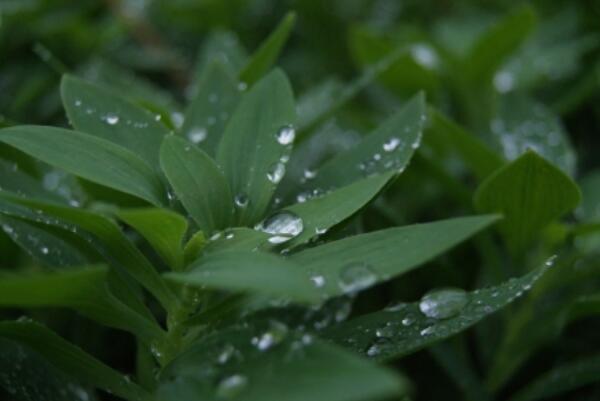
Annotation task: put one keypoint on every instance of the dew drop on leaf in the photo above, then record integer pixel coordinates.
(241, 200)
(276, 172)
(356, 276)
(274, 335)
(286, 135)
(283, 226)
(391, 144)
(231, 386)
(197, 135)
(443, 303)
(111, 119)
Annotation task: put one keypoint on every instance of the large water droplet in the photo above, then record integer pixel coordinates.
(197, 135)
(443, 303)
(276, 172)
(286, 135)
(283, 226)
(231, 386)
(356, 276)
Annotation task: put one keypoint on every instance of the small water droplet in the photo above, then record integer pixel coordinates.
(373, 350)
(309, 174)
(157, 117)
(273, 336)
(283, 226)
(45, 250)
(231, 386)
(391, 144)
(427, 331)
(197, 135)
(77, 103)
(241, 200)
(276, 172)
(242, 86)
(226, 354)
(111, 119)
(386, 331)
(286, 135)
(356, 276)
(443, 303)
(318, 281)
(407, 321)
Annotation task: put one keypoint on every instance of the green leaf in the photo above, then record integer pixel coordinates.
(14, 180)
(223, 46)
(49, 248)
(256, 138)
(310, 104)
(561, 379)
(406, 329)
(530, 193)
(72, 360)
(83, 290)
(266, 55)
(92, 158)
(356, 263)
(301, 364)
(209, 111)
(95, 110)
(26, 376)
(163, 229)
(388, 148)
(474, 153)
(499, 42)
(256, 272)
(319, 214)
(237, 239)
(198, 183)
(102, 234)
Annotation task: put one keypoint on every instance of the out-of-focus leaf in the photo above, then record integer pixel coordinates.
(311, 103)
(530, 193)
(262, 372)
(388, 148)
(266, 55)
(71, 360)
(198, 183)
(561, 379)
(250, 271)
(95, 110)
(210, 109)
(92, 158)
(404, 329)
(83, 290)
(163, 229)
(14, 180)
(356, 263)
(256, 139)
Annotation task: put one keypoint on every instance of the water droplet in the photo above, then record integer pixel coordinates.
(226, 354)
(157, 117)
(273, 336)
(241, 200)
(177, 118)
(231, 386)
(391, 144)
(197, 135)
(276, 172)
(111, 119)
(504, 81)
(407, 321)
(356, 276)
(309, 174)
(286, 135)
(395, 307)
(373, 350)
(45, 250)
(318, 281)
(386, 331)
(427, 331)
(443, 303)
(77, 103)
(321, 231)
(283, 226)
(242, 86)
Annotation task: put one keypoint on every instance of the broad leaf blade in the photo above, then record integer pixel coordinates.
(530, 193)
(251, 150)
(71, 360)
(209, 111)
(198, 183)
(92, 158)
(266, 55)
(95, 110)
(359, 262)
(250, 271)
(163, 229)
(300, 363)
(410, 330)
(388, 148)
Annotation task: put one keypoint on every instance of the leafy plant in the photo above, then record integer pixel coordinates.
(251, 246)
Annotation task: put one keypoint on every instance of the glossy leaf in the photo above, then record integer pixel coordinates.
(361, 261)
(303, 364)
(86, 156)
(198, 183)
(14, 180)
(83, 290)
(250, 151)
(256, 272)
(72, 360)
(95, 110)
(163, 229)
(388, 148)
(530, 193)
(210, 109)
(404, 329)
(237, 239)
(266, 55)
